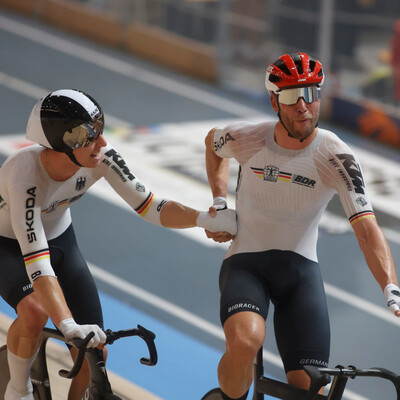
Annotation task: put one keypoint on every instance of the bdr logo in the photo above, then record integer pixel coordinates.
(302, 180)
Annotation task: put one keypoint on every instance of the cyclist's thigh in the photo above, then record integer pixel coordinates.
(73, 274)
(301, 318)
(241, 286)
(14, 281)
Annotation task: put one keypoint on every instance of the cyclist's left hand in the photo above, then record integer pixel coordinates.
(392, 295)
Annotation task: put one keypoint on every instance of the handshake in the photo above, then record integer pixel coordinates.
(220, 222)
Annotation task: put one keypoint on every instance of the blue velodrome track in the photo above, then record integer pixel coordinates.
(167, 280)
(185, 365)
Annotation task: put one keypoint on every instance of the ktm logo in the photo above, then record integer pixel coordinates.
(354, 171)
(116, 157)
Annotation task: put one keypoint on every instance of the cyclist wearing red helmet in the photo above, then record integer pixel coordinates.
(289, 171)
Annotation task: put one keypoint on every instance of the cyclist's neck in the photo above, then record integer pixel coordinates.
(58, 165)
(282, 138)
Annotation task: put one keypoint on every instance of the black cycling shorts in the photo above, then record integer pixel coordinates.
(70, 268)
(249, 281)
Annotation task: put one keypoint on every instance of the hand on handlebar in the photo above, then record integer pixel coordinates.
(70, 329)
(392, 295)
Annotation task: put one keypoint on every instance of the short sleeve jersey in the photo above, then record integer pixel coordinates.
(34, 208)
(282, 194)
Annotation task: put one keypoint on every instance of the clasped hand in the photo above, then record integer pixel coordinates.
(220, 206)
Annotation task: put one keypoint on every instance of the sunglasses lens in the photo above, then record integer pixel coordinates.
(291, 96)
(83, 135)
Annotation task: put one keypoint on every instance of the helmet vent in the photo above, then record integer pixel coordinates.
(282, 66)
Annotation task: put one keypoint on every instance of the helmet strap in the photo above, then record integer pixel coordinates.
(70, 154)
(287, 130)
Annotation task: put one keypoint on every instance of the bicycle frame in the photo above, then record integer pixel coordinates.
(40, 376)
(320, 377)
(264, 385)
(99, 386)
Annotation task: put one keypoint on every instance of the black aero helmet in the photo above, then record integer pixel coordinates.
(65, 120)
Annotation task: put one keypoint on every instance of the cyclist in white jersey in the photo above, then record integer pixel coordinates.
(43, 274)
(289, 171)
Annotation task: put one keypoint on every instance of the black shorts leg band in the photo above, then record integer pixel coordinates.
(239, 305)
(298, 360)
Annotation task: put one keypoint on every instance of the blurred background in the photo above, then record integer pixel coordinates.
(167, 71)
(230, 42)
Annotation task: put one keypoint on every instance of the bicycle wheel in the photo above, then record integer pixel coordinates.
(214, 394)
(4, 371)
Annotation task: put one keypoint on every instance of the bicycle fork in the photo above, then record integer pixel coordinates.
(40, 375)
(99, 385)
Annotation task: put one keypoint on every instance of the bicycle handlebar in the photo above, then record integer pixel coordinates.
(112, 336)
(321, 376)
(81, 345)
(144, 334)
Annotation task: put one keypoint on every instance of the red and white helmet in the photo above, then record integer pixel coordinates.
(293, 70)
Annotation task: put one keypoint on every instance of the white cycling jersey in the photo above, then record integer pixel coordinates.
(34, 208)
(282, 194)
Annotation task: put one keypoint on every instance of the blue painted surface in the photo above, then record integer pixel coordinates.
(176, 375)
(180, 357)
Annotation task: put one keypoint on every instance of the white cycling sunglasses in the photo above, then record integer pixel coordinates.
(291, 96)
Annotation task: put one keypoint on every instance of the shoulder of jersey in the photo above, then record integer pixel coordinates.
(246, 126)
(333, 142)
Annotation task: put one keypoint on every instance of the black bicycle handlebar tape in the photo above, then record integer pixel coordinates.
(148, 337)
(81, 344)
(144, 334)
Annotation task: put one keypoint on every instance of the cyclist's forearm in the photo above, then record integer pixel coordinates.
(217, 169)
(380, 262)
(51, 297)
(176, 215)
(376, 251)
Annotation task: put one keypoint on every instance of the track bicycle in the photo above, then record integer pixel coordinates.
(99, 386)
(320, 377)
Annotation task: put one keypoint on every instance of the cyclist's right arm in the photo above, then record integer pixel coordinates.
(50, 296)
(217, 168)
(23, 197)
(218, 176)
(239, 140)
